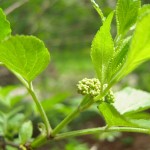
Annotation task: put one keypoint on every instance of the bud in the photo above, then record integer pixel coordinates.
(92, 87)
(89, 87)
(110, 98)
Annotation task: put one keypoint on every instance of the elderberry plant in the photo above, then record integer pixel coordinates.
(26, 57)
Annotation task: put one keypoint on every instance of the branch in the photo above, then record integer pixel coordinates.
(100, 130)
(42, 138)
(15, 6)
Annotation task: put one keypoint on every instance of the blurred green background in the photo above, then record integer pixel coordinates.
(67, 27)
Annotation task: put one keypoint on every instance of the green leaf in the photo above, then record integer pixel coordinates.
(25, 55)
(142, 119)
(142, 123)
(126, 14)
(14, 122)
(25, 132)
(130, 100)
(118, 59)
(4, 26)
(112, 116)
(102, 49)
(139, 51)
(10, 95)
(144, 10)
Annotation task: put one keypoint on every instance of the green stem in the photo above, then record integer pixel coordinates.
(41, 111)
(99, 11)
(100, 130)
(41, 139)
(85, 103)
(70, 117)
(37, 102)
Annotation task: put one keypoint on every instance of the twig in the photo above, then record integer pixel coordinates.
(15, 6)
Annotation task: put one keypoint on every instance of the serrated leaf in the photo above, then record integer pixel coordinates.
(139, 51)
(4, 26)
(118, 59)
(25, 55)
(130, 100)
(102, 49)
(126, 14)
(25, 132)
(112, 116)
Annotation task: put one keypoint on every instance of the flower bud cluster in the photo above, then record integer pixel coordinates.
(110, 98)
(92, 87)
(89, 87)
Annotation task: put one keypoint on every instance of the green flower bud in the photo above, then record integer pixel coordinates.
(92, 87)
(110, 98)
(89, 87)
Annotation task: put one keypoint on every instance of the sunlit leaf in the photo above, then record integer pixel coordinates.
(25, 55)
(102, 49)
(112, 116)
(126, 14)
(130, 100)
(142, 119)
(118, 59)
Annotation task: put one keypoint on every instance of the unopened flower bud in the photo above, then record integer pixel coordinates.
(110, 98)
(89, 87)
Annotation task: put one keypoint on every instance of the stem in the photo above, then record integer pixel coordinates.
(65, 122)
(100, 130)
(99, 11)
(15, 6)
(41, 111)
(41, 139)
(89, 131)
(37, 102)
(85, 103)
